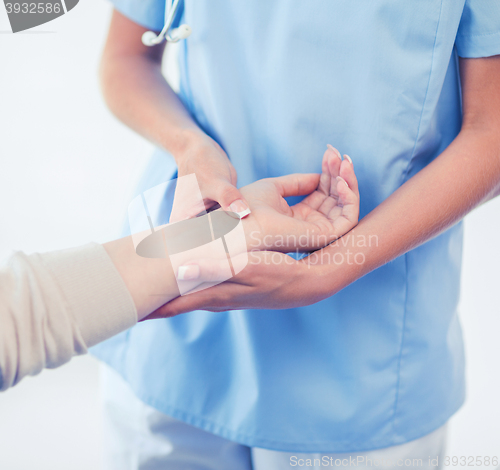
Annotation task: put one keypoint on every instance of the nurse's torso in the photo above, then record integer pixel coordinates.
(381, 362)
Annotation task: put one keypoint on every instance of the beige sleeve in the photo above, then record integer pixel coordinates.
(55, 305)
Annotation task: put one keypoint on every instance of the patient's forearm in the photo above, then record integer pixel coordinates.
(150, 281)
(58, 304)
(55, 305)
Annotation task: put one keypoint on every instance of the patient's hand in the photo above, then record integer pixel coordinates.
(329, 211)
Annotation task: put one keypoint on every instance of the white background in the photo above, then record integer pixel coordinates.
(66, 170)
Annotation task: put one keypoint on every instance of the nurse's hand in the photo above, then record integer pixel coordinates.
(216, 178)
(271, 280)
(329, 211)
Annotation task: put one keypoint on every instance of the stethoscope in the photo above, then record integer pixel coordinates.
(149, 38)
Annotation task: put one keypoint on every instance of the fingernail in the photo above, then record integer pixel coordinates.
(348, 158)
(240, 208)
(339, 178)
(331, 147)
(187, 273)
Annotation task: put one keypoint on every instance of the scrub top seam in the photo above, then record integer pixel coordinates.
(401, 347)
(185, 89)
(405, 175)
(400, 356)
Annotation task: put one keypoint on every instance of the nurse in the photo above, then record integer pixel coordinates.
(357, 348)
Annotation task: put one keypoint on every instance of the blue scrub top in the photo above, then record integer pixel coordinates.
(381, 362)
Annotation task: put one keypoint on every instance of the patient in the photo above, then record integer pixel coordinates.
(55, 305)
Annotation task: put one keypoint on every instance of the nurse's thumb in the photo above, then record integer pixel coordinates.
(231, 199)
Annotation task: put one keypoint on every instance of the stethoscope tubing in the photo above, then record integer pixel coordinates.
(149, 38)
(172, 11)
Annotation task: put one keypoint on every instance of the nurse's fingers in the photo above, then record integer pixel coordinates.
(229, 197)
(203, 300)
(296, 184)
(204, 270)
(348, 174)
(193, 195)
(186, 205)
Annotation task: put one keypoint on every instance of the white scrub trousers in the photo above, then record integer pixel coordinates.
(138, 437)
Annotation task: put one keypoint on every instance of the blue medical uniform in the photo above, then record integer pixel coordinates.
(381, 362)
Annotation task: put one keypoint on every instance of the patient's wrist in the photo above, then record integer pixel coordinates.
(253, 233)
(252, 230)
